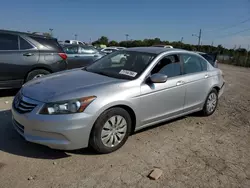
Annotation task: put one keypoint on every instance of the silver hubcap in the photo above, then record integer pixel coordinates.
(211, 102)
(38, 76)
(114, 131)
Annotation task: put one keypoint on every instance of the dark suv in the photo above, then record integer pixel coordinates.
(25, 56)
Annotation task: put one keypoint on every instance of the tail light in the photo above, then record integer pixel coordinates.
(63, 56)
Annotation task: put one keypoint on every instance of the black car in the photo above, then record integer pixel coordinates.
(210, 57)
(81, 55)
(25, 56)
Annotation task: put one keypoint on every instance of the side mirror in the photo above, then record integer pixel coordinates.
(158, 78)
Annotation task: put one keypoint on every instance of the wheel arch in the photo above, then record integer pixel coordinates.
(131, 113)
(126, 107)
(36, 68)
(217, 88)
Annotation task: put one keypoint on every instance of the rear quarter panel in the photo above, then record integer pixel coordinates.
(215, 78)
(51, 61)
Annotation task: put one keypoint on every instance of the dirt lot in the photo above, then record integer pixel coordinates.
(192, 151)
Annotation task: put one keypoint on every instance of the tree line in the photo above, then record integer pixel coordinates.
(237, 56)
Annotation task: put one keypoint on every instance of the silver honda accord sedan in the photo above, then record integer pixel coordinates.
(102, 104)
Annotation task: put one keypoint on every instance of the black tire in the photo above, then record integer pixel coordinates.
(95, 137)
(31, 75)
(205, 110)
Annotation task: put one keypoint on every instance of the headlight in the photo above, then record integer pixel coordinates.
(67, 107)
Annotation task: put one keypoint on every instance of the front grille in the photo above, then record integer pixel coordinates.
(23, 104)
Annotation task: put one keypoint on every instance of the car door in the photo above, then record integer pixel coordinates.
(73, 56)
(160, 101)
(16, 57)
(196, 79)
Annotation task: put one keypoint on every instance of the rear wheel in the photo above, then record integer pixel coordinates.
(111, 130)
(211, 103)
(36, 74)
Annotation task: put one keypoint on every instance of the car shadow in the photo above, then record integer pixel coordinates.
(8, 92)
(11, 142)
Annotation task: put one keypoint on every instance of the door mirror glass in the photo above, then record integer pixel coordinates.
(158, 78)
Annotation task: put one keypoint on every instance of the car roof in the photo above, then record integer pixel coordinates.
(25, 33)
(153, 50)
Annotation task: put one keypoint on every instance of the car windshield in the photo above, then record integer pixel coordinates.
(122, 64)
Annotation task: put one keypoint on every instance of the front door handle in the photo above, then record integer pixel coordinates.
(206, 76)
(77, 56)
(28, 54)
(180, 82)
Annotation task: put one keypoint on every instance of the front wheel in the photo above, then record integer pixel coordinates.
(211, 103)
(111, 130)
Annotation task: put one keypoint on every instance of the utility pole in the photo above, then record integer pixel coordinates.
(75, 36)
(199, 42)
(90, 41)
(199, 38)
(181, 39)
(51, 31)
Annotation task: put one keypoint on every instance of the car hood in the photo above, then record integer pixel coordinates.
(49, 87)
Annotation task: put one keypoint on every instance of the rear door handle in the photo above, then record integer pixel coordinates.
(206, 76)
(180, 82)
(28, 54)
(77, 56)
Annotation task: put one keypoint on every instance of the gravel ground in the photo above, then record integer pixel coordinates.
(192, 151)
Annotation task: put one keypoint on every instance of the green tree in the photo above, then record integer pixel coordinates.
(113, 43)
(103, 40)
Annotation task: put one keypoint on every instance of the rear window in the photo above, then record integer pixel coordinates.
(49, 43)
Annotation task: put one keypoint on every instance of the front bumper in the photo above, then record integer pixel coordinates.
(64, 132)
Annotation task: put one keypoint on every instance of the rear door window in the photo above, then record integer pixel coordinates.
(8, 42)
(49, 43)
(191, 64)
(71, 49)
(24, 45)
(203, 64)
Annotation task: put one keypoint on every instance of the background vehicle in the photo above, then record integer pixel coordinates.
(117, 47)
(81, 55)
(24, 56)
(109, 50)
(103, 103)
(163, 46)
(210, 57)
(74, 42)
